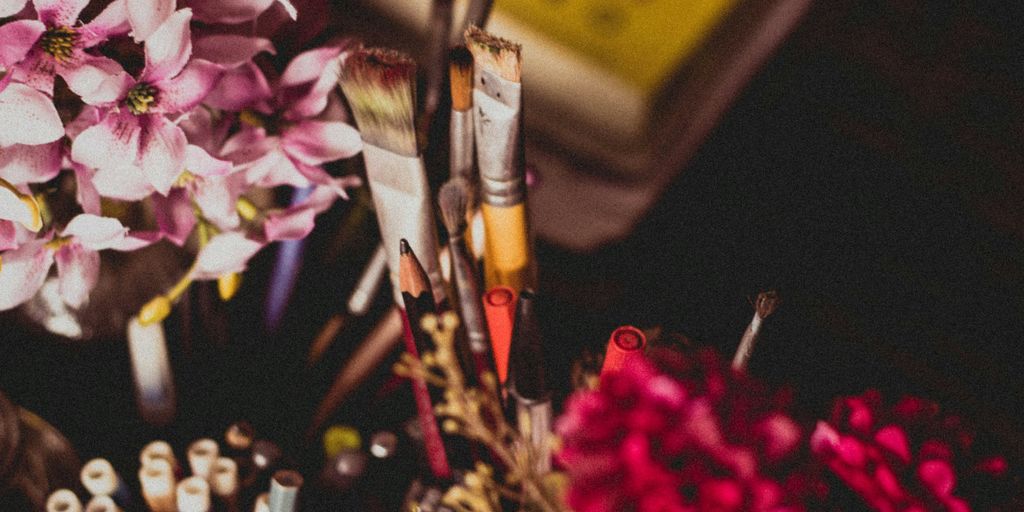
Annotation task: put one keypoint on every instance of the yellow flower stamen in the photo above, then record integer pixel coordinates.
(246, 208)
(140, 98)
(35, 221)
(59, 42)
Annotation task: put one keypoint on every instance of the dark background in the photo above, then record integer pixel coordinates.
(871, 173)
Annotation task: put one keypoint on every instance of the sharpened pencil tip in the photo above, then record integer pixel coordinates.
(403, 247)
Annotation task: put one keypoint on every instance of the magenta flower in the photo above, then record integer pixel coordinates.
(648, 441)
(134, 137)
(901, 458)
(75, 251)
(34, 51)
(283, 142)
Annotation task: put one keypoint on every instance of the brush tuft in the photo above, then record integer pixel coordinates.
(380, 86)
(460, 73)
(454, 201)
(499, 56)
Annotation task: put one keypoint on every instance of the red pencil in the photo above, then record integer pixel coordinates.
(500, 309)
(625, 347)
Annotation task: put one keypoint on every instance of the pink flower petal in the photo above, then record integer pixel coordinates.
(225, 253)
(308, 80)
(162, 153)
(112, 143)
(112, 21)
(183, 92)
(291, 224)
(200, 163)
(938, 476)
(276, 169)
(229, 11)
(231, 50)
(146, 16)
(85, 192)
(316, 174)
(137, 240)
(11, 7)
(217, 197)
(174, 216)
(59, 12)
(893, 439)
(34, 71)
(8, 236)
(18, 38)
(824, 439)
(317, 142)
(38, 122)
(30, 164)
(168, 48)
(14, 209)
(78, 271)
(24, 270)
(125, 182)
(98, 80)
(293, 13)
(94, 232)
(240, 88)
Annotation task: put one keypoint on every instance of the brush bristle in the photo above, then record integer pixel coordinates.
(454, 200)
(461, 77)
(380, 86)
(499, 56)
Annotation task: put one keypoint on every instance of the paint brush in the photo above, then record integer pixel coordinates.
(380, 87)
(460, 152)
(497, 100)
(764, 306)
(454, 200)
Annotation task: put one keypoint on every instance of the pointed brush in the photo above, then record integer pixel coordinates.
(460, 150)
(454, 200)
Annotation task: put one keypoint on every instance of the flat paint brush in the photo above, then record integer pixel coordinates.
(380, 87)
(497, 100)
(454, 200)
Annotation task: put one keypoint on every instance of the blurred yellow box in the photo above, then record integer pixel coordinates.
(640, 41)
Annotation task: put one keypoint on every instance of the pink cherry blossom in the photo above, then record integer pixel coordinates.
(75, 251)
(54, 44)
(134, 135)
(284, 143)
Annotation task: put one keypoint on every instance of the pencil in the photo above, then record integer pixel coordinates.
(497, 100)
(193, 495)
(419, 302)
(156, 478)
(63, 500)
(380, 87)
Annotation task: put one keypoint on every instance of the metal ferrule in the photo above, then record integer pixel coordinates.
(402, 199)
(460, 149)
(534, 419)
(497, 104)
(470, 302)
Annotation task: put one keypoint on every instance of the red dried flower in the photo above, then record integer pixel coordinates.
(900, 458)
(694, 437)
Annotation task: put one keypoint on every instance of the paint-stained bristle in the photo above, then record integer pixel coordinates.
(454, 199)
(461, 77)
(380, 86)
(494, 54)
